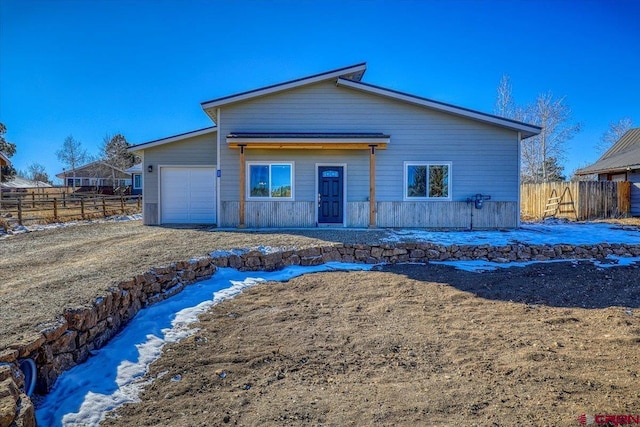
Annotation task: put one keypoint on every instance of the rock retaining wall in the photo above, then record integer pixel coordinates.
(70, 339)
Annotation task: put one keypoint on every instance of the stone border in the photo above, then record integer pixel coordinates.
(70, 339)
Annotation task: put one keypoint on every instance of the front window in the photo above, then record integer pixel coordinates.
(427, 181)
(137, 181)
(271, 180)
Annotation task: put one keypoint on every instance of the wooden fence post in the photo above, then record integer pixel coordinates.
(104, 207)
(82, 208)
(33, 200)
(122, 203)
(64, 199)
(139, 201)
(55, 209)
(20, 212)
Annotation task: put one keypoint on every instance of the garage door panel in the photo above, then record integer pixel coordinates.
(188, 195)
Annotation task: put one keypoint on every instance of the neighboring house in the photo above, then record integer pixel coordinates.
(136, 178)
(330, 150)
(18, 182)
(96, 176)
(621, 163)
(4, 160)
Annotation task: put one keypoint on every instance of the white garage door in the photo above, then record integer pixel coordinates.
(187, 195)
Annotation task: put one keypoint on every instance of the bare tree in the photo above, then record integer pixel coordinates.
(505, 105)
(114, 153)
(614, 133)
(554, 116)
(540, 152)
(37, 172)
(73, 155)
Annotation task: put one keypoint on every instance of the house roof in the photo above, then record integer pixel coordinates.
(352, 72)
(21, 182)
(526, 129)
(623, 155)
(351, 77)
(170, 139)
(4, 159)
(64, 174)
(137, 168)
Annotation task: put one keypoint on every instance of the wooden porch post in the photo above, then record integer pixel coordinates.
(243, 179)
(372, 186)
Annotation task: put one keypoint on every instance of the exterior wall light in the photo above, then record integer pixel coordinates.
(150, 168)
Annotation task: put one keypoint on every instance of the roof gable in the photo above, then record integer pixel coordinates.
(94, 168)
(526, 129)
(352, 73)
(171, 139)
(628, 140)
(350, 77)
(623, 155)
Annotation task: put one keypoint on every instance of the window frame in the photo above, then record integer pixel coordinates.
(426, 164)
(270, 164)
(139, 186)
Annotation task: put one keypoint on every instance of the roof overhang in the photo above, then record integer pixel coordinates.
(170, 139)
(137, 168)
(350, 73)
(526, 130)
(586, 171)
(308, 141)
(102, 164)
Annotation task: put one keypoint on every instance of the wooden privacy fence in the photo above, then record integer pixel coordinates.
(69, 207)
(585, 200)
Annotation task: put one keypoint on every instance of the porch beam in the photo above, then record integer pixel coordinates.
(306, 146)
(372, 186)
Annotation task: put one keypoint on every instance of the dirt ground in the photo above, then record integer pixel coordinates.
(44, 272)
(408, 345)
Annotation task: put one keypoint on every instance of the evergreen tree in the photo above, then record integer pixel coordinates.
(8, 149)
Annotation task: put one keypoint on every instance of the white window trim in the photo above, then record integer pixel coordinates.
(137, 187)
(405, 174)
(269, 198)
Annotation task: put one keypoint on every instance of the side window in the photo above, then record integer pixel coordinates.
(427, 181)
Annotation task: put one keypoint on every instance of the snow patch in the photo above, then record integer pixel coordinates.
(547, 233)
(479, 266)
(115, 374)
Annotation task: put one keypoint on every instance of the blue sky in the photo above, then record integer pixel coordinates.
(142, 67)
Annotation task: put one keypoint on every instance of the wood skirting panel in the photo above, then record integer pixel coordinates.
(150, 214)
(446, 215)
(389, 215)
(269, 214)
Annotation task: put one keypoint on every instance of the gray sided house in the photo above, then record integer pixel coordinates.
(331, 150)
(96, 176)
(621, 163)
